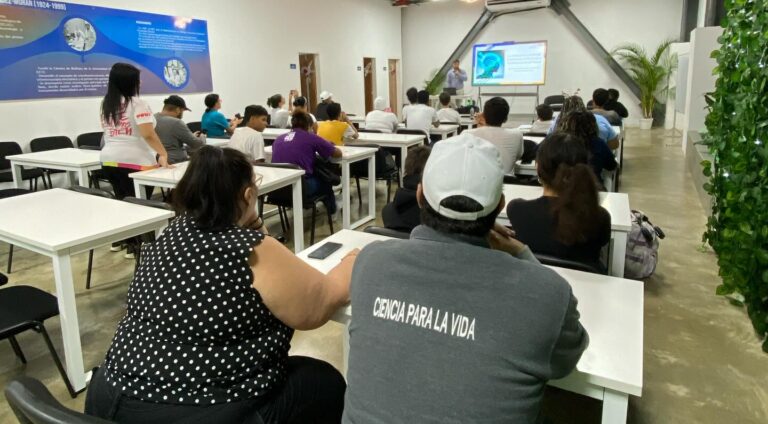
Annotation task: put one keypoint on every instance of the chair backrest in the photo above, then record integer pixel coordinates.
(363, 130)
(32, 403)
(570, 264)
(93, 192)
(91, 139)
(8, 148)
(157, 204)
(195, 126)
(554, 100)
(50, 143)
(387, 232)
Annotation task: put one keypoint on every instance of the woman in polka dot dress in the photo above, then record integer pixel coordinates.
(211, 312)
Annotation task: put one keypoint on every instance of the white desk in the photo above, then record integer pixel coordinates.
(217, 142)
(400, 141)
(273, 133)
(75, 162)
(351, 154)
(272, 179)
(611, 369)
(468, 121)
(59, 223)
(617, 205)
(445, 131)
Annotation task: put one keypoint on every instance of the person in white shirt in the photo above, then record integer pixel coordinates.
(544, 121)
(447, 114)
(279, 117)
(248, 139)
(300, 105)
(508, 141)
(379, 119)
(411, 96)
(421, 116)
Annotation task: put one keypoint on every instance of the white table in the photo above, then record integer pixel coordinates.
(351, 154)
(59, 223)
(217, 142)
(467, 121)
(399, 141)
(75, 162)
(273, 133)
(445, 131)
(617, 205)
(611, 369)
(272, 179)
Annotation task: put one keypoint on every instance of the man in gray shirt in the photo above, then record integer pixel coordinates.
(174, 133)
(459, 324)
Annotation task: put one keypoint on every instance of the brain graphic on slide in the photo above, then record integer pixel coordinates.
(176, 73)
(80, 34)
(490, 64)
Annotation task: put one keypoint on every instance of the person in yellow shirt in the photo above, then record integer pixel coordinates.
(338, 128)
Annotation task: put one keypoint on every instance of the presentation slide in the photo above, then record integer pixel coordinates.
(510, 63)
(54, 49)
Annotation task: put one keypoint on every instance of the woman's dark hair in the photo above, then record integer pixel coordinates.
(411, 95)
(562, 163)
(477, 228)
(301, 121)
(582, 125)
(210, 101)
(124, 82)
(417, 160)
(275, 100)
(300, 101)
(210, 192)
(333, 111)
(570, 105)
(423, 97)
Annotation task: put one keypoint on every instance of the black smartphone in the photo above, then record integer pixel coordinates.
(325, 250)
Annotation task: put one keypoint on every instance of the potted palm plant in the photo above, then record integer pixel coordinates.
(651, 73)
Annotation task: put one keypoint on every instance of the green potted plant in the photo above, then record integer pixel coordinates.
(434, 85)
(651, 73)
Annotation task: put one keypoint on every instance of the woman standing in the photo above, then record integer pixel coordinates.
(130, 141)
(214, 122)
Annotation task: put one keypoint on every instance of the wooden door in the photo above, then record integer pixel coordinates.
(308, 76)
(394, 78)
(369, 75)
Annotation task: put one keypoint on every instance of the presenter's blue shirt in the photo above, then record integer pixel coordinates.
(456, 79)
(606, 131)
(215, 123)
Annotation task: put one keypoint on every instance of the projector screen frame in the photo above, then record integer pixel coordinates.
(507, 43)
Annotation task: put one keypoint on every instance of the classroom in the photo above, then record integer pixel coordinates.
(383, 211)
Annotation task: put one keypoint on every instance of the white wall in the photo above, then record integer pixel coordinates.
(252, 45)
(700, 78)
(432, 31)
(678, 118)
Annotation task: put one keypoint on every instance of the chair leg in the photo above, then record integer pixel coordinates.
(30, 184)
(389, 189)
(287, 221)
(17, 349)
(41, 330)
(330, 222)
(359, 194)
(50, 182)
(312, 231)
(90, 268)
(281, 211)
(10, 259)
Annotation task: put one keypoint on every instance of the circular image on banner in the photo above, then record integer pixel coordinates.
(80, 34)
(175, 73)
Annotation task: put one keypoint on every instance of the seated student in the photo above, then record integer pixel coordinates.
(575, 104)
(412, 95)
(214, 123)
(544, 114)
(174, 133)
(326, 99)
(300, 105)
(600, 98)
(446, 112)
(584, 126)
(567, 221)
(279, 117)
(467, 327)
(210, 315)
(614, 104)
(508, 141)
(404, 214)
(338, 128)
(379, 119)
(421, 116)
(248, 139)
(299, 147)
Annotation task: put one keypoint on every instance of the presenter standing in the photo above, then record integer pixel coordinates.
(456, 77)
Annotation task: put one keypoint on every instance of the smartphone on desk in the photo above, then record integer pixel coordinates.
(325, 250)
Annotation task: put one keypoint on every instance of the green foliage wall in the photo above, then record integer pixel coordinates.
(738, 133)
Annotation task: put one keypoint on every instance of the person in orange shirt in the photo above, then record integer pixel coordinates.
(338, 128)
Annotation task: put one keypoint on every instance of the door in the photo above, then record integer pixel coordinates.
(308, 76)
(394, 98)
(369, 75)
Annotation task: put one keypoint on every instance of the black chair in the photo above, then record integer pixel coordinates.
(364, 130)
(32, 403)
(388, 232)
(50, 143)
(25, 308)
(555, 102)
(386, 170)
(427, 140)
(195, 126)
(90, 141)
(92, 192)
(4, 194)
(10, 148)
(594, 268)
(283, 199)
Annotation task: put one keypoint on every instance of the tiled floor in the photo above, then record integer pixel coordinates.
(703, 363)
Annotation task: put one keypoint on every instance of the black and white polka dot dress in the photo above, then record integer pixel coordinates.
(195, 330)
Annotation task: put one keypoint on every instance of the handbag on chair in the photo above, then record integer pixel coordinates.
(326, 171)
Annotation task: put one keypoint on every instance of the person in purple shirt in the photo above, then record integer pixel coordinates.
(300, 147)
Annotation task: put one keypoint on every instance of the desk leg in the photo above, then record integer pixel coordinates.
(82, 176)
(618, 253)
(403, 154)
(70, 329)
(139, 189)
(16, 171)
(160, 230)
(345, 212)
(298, 217)
(615, 406)
(71, 178)
(371, 189)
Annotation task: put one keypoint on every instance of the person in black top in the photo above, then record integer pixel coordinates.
(600, 98)
(584, 126)
(403, 214)
(210, 315)
(614, 104)
(321, 111)
(567, 221)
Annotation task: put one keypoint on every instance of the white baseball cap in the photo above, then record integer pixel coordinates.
(325, 95)
(464, 166)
